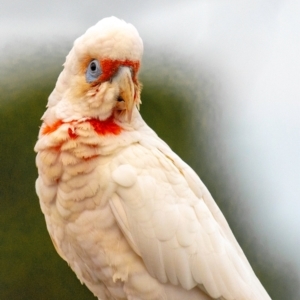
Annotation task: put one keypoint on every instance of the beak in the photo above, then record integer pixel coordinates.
(127, 90)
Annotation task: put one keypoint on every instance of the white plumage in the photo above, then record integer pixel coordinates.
(129, 216)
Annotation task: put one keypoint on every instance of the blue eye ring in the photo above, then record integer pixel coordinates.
(93, 71)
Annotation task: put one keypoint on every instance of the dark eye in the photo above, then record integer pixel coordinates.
(93, 71)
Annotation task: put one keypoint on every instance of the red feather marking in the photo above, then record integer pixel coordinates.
(72, 134)
(110, 67)
(105, 127)
(51, 128)
(91, 157)
(56, 148)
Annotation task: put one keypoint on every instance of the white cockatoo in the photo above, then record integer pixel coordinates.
(132, 220)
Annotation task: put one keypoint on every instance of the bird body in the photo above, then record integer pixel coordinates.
(132, 220)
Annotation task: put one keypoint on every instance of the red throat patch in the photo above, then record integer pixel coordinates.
(106, 127)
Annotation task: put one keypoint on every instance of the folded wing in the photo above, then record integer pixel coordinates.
(172, 222)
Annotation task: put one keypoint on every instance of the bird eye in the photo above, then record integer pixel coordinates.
(93, 71)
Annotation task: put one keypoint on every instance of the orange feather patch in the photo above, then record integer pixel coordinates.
(51, 128)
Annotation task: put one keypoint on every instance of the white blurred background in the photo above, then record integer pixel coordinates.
(251, 50)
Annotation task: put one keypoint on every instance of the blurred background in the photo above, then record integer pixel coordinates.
(221, 87)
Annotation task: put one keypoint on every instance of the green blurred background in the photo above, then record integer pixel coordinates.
(183, 101)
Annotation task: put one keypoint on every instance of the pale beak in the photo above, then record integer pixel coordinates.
(127, 90)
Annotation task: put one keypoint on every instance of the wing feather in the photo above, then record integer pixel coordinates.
(172, 222)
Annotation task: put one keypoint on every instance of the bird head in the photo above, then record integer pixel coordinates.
(99, 79)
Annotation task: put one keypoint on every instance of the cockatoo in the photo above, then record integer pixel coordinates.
(132, 220)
